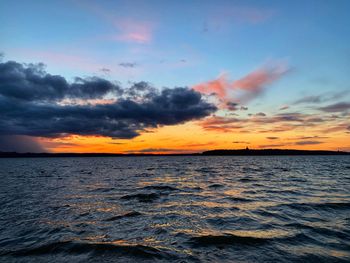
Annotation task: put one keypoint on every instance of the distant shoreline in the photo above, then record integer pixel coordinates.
(239, 152)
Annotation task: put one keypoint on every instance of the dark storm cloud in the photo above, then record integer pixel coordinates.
(31, 83)
(337, 107)
(31, 104)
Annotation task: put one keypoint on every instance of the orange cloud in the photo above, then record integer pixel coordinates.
(244, 89)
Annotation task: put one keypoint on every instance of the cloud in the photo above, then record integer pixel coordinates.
(232, 106)
(31, 103)
(245, 89)
(140, 32)
(337, 107)
(220, 124)
(273, 145)
(218, 87)
(309, 99)
(307, 142)
(299, 143)
(162, 150)
(128, 64)
(241, 142)
(105, 70)
(260, 114)
(127, 29)
(30, 82)
(311, 137)
(272, 138)
(281, 122)
(316, 99)
(340, 127)
(285, 107)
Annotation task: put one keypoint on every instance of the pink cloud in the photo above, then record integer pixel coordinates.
(134, 31)
(243, 89)
(128, 30)
(217, 86)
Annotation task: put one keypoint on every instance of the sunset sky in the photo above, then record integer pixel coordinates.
(174, 76)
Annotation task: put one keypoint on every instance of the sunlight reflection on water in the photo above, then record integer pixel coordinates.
(219, 209)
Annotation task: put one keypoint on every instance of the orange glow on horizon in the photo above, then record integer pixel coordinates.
(192, 138)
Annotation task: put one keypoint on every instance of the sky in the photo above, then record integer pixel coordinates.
(174, 76)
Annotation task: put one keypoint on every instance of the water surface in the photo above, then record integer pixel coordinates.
(178, 209)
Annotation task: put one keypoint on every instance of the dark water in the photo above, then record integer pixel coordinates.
(178, 209)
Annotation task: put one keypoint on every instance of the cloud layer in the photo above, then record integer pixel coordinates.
(35, 103)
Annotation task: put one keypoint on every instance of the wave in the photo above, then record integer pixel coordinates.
(216, 186)
(317, 206)
(231, 239)
(72, 247)
(239, 199)
(322, 230)
(129, 214)
(102, 189)
(161, 187)
(142, 197)
(226, 239)
(246, 179)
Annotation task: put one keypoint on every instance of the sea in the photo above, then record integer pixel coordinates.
(175, 209)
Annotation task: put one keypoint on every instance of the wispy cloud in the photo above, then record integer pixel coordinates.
(337, 107)
(128, 64)
(308, 142)
(127, 29)
(290, 144)
(284, 107)
(320, 98)
(245, 89)
(134, 31)
(276, 145)
(162, 150)
(258, 123)
(241, 142)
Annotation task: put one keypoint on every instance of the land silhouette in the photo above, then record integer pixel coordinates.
(219, 152)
